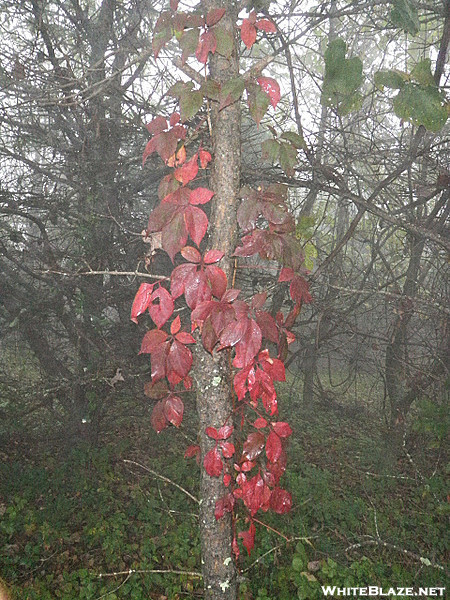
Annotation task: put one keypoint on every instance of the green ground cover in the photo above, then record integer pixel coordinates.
(365, 512)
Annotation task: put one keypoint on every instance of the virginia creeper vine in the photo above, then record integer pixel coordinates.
(251, 465)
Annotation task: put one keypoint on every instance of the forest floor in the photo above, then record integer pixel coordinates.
(366, 510)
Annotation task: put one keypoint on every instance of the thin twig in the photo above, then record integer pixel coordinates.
(294, 539)
(166, 479)
(378, 542)
(141, 571)
(114, 273)
(115, 589)
(272, 529)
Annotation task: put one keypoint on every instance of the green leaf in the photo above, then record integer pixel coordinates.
(224, 41)
(390, 79)
(350, 103)
(421, 73)
(270, 150)
(232, 90)
(188, 43)
(288, 158)
(310, 254)
(305, 227)
(180, 88)
(343, 77)
(295, 139)
(190, 104)
(160, 39)
(258, 102)
(405, 16)
(211, 89)
(422, 106)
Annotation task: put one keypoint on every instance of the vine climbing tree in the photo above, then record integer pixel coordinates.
(241, 443)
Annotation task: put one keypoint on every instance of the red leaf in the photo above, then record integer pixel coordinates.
(159, 359)
(206, 44)
(274, 367)
(230, 295)
(248, 346)
(282, 429)
(233, 333)
(196, 223)
(176, 325)
(213, 256)
(167, 186)
(247, 466)
(200, 196)
(272, 89)
(158, 419)
(258, 300)
(166, 143)
(217, 279)
(299, 290)
(196, 289)
(149, 149)
(178, 278)
(224, 505)
(266, 25)
(173, 410)
(156, 126)
(205, 158)
(162, 311)
(260, 423)
(174, 119)
(224, 432)
(141, 300)
(240, 383)
(161, 216)
(280, 501)
(213, 463)
(267, 325)
(185, 338)
(191, 254)
(151, 340)
(179, 359)
(248, 33)
(248, 538)
(228, 449)
(188, 171)
(278, 468)
(226, 479)
(214, 16)
(273, 447)
(191, 451)
(212, 433)
(174, 235)
(254, 445)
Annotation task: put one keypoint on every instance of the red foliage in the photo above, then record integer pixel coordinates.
(252, 459)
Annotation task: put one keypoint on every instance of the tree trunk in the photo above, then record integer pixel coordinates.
(396, 359)
(213, 373)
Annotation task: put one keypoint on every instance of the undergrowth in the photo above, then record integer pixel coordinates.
(365, 513)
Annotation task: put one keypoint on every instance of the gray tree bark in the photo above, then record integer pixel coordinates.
(213, 372)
